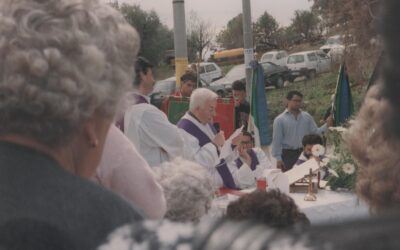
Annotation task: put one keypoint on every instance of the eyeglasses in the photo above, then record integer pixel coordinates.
(246, 142)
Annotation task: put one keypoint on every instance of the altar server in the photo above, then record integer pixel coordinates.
(250, 163)
(156, 139)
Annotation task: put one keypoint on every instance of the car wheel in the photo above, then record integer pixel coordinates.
(279, 83)
(311, 74)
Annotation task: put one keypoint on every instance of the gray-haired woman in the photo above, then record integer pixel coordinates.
(64, 66)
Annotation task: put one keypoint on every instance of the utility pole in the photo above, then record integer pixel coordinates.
(248, 44)
(180, 42)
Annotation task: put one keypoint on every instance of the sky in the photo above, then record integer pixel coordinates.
(219, 12)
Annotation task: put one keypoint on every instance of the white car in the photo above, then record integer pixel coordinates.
(334, 46)
(277, 57)
(209, 71)
(308, 63)
(333, 42)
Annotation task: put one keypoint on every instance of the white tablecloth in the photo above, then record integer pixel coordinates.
(330, 206)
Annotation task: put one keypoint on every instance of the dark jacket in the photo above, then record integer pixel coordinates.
(34, 187)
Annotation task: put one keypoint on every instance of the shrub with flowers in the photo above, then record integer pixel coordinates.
(342, 166)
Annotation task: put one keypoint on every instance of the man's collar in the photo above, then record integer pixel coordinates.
(192, 115)
(288, 112)
(147, 98)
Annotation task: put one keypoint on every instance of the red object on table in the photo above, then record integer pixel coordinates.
(262, 184)
(223, 191)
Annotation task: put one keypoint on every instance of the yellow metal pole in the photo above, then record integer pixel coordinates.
(181, 65)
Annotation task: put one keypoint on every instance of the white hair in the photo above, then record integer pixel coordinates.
(188, 189)
(200, 97)
(61, 62)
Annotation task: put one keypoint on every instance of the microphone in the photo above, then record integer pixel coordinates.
(217, 127)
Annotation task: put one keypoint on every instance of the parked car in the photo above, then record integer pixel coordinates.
(335, 46)
(208, 71)
(308, 63)
(333, 42)
(278, 57)
(167, 87)
(274, 75)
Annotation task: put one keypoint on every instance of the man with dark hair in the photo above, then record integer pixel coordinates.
(272, 208)
(250, 163)
(143, 82)
(188, 84)
(289, 129)
(308, 142)
(156, 139)
(242, 107)
(144, 72)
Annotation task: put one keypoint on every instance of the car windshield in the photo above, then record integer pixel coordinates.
(267, 57)
(295, 59)
(237, 72)
(268, 66)
(164, 86)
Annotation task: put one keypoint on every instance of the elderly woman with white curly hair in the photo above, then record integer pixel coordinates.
(188, 189)
(64, 66)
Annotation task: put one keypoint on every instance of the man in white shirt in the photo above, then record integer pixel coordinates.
(156, 139)
(197, 122)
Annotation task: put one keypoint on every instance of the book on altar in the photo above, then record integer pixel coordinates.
(298, 172)
(226, 148)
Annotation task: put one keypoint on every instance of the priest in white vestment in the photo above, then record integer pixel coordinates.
(156, 139)
(197, 123)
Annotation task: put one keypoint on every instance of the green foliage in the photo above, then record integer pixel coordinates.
(265, 29)
(232, 36)
(155, 37)
(306, 23)
(342, 156)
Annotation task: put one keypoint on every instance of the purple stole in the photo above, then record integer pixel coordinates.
(299, 161)
(139, 99)
(195, 131)
(254, 160)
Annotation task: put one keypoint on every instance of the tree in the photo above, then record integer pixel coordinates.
(266, 27)
(155, 37)
(286, 37)
(232, 36)
(199, 35)
(356, 20)
(306, 23)
(265, 32)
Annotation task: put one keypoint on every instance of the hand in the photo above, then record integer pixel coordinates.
(219, 139)
(280, 165)
(236, 141)
(244, 154)
(329, 121)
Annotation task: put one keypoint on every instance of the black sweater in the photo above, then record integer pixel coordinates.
(33, 187)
